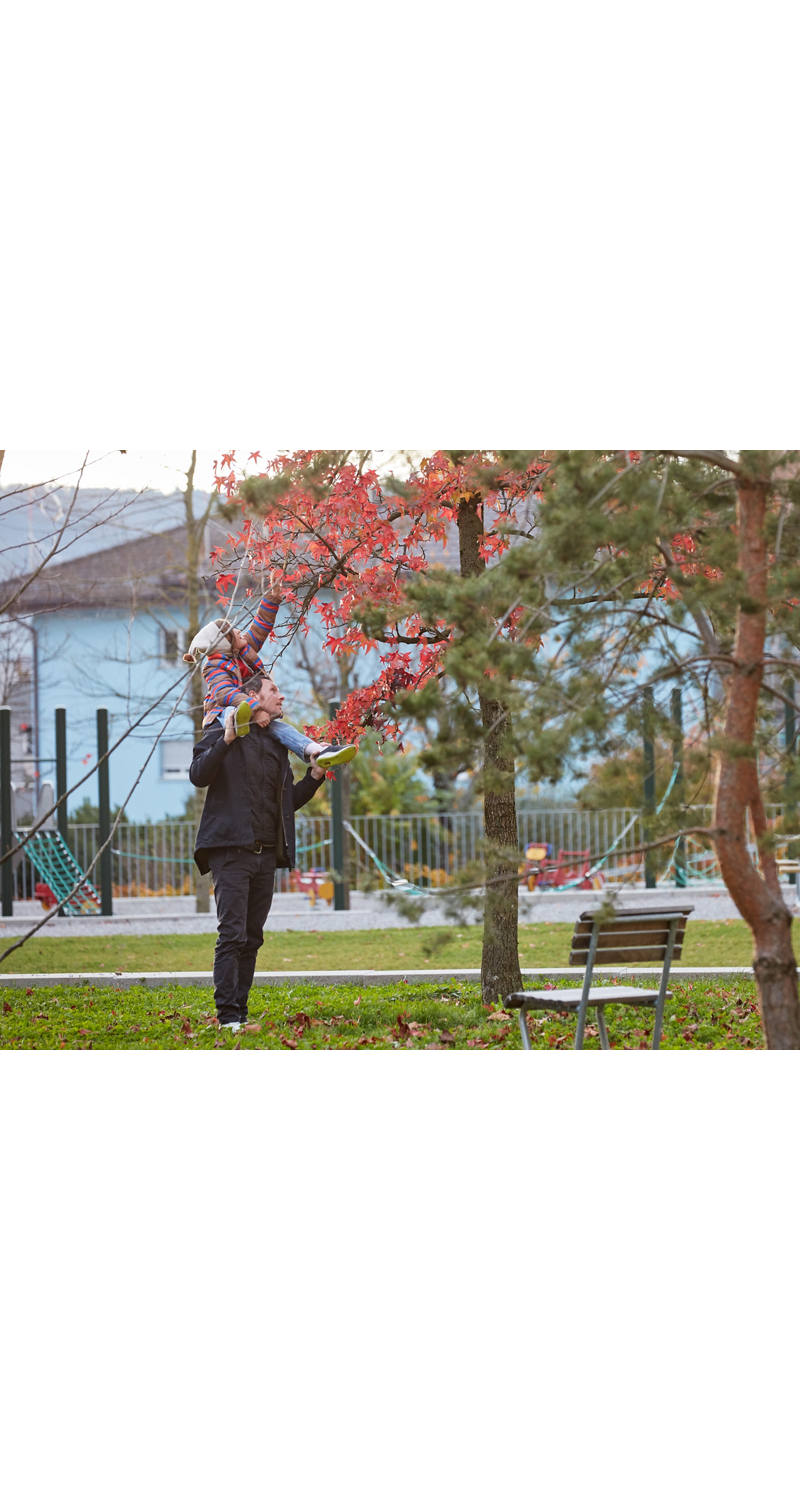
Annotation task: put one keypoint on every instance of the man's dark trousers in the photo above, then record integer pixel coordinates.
(243, 886)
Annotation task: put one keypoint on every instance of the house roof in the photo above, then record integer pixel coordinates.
(145, 571)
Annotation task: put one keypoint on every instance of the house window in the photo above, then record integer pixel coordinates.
(171, 648)
(176, 756)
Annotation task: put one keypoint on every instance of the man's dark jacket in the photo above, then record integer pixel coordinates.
(227, 819)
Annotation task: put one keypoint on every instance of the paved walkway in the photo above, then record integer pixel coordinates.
(293, 913)
(263, 978)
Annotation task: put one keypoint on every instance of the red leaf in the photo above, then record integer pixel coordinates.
(301, 1022)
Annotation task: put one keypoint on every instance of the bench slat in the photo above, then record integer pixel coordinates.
(569, 999)
(630, 937)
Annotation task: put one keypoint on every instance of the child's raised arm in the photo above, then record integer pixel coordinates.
(264, 621)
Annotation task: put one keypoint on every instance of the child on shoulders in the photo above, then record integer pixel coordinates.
(230, 656)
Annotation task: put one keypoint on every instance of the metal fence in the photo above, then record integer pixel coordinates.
(428, 849)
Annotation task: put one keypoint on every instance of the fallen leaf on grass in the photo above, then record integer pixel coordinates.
(251, 1026)
(289, 1041)
(300, 1022)
(446, 1036)
(7, 1008)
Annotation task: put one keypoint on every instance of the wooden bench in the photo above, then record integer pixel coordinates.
(634, 936)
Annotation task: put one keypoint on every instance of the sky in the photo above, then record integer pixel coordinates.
(156, 469)
(159, 469)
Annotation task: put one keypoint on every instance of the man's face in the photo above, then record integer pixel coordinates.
(270, 698)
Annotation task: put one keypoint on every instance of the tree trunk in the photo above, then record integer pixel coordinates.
(757, 894)
(500, 972)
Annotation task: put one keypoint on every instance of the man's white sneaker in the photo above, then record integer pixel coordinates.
(230, 1026)
(336, 755)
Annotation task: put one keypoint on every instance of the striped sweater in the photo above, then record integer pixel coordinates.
(224, 674)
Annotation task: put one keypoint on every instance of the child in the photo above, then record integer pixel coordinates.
(231, 656)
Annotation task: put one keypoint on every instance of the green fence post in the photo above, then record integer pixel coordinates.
(649, 783)
(6, 831)
(61, 772)
(104, 815)
(61, 780)
(676, 708)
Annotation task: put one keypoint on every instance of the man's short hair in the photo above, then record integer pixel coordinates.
(252, 684)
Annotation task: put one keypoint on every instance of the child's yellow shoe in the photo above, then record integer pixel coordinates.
(336, 755)
(241, 718)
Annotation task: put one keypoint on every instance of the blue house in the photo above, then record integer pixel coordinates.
(109, 631)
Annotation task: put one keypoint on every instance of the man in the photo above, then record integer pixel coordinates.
(246, 832)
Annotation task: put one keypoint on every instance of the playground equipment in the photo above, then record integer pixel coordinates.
(60, 873)
(314, 884)
(62, 881)
(573, 868)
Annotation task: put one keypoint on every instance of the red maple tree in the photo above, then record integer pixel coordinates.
(349, 542)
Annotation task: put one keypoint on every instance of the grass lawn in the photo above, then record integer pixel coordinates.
(701, 1015)
(707, 943)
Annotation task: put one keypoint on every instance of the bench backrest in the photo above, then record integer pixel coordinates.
(634, 936)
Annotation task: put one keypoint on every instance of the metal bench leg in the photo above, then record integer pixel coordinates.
(658, 1019)
(601, 1027)
(523, 1026)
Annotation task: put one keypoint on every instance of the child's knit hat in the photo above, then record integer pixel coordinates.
(210, 638)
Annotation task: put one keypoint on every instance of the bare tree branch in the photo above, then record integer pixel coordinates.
(716, 456)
